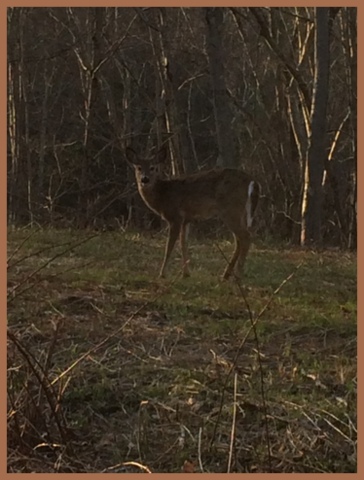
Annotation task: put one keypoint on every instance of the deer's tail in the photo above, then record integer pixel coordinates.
(252, 201)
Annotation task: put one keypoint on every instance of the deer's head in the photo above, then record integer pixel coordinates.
(147, 170)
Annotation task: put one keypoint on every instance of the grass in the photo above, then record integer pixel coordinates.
(143, 369)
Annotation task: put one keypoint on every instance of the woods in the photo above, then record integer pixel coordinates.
(271, 90)
(121, 359)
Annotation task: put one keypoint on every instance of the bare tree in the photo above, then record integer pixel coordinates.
(224, 118)
(316, 155)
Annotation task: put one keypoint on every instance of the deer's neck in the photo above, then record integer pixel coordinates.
(152, 195)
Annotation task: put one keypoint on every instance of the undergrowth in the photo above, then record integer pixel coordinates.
(111, 369)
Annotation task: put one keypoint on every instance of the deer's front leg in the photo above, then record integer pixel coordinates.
(184, 250)
(174, 229)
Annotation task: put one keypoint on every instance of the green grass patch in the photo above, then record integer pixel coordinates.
(159, 388)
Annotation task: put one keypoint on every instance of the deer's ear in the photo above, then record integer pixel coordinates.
(131, 156)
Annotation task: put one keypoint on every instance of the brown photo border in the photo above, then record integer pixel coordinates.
(3, 206)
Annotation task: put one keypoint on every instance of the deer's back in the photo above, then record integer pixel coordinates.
(201, 195)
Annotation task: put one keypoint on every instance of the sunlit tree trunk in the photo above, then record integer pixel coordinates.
(352, 83)
(21, 175)
(316, 155)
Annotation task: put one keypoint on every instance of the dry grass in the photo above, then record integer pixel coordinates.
(108, 365)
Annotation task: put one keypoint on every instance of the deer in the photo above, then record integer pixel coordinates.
(227, 193)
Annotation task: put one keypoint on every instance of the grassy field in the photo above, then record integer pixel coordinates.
(107, 364)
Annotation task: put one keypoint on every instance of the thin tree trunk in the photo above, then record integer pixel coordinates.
(313, 193)
(352, 38)
(43, 135)
(221, 101)
(14, 145)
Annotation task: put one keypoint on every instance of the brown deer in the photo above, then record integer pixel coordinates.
(227, 193)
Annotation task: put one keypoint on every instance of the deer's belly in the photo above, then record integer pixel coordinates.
(202, 211)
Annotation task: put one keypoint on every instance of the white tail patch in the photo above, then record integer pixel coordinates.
(248, 206)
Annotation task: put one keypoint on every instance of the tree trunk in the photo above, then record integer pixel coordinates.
(20, 186)
(221, 101)
(352, 60)
(313, 193)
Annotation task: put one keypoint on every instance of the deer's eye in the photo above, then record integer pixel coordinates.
(139, 168)
(152, 169)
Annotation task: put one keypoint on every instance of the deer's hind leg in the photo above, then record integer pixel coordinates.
(245, 241)
(242, 239)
